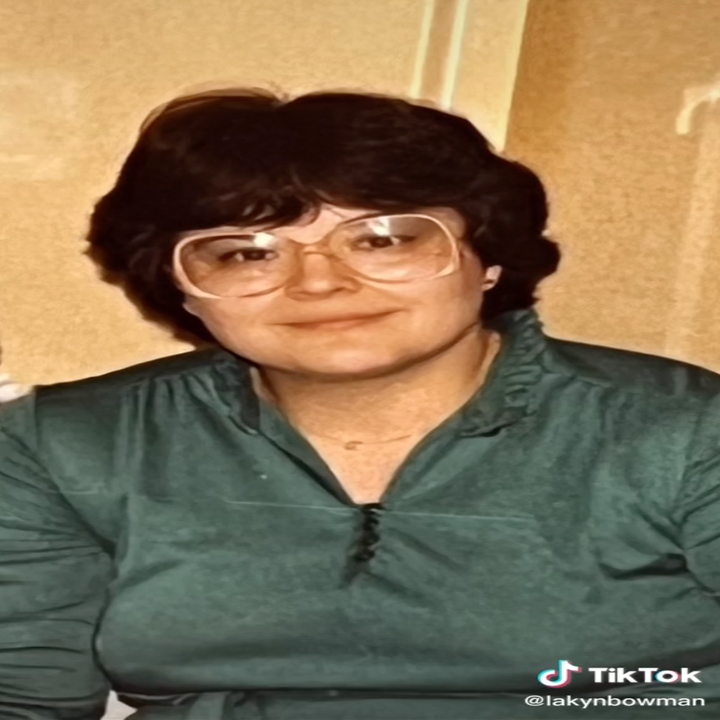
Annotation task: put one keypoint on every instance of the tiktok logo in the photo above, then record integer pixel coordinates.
(559, 677)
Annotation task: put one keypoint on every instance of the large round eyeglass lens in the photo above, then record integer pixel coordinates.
(396, 247)
(392, 248)
(235, 265)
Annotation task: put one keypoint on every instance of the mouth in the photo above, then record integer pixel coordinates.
(339, 324)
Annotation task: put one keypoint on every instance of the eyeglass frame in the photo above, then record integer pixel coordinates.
(191, 289)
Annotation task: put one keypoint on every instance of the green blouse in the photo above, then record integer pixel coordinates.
(166, 533)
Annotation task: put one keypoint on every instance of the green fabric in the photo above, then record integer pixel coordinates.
(166, 533)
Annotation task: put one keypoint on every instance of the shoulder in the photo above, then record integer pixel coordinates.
(99, 407)
(146, 383)
(671, 404)
(655, 413)
(631, 371)
(170, 368)
(85, 432)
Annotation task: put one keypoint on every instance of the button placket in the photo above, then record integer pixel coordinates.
(369, 535)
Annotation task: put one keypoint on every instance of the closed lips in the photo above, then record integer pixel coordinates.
(338, 318)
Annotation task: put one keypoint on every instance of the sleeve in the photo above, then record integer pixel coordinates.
(53, 582)
(699, 502)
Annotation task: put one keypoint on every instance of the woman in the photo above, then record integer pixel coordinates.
(411, 514)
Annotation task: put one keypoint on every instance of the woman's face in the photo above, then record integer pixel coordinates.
(421, 317)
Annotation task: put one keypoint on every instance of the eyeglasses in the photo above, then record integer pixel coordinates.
(386, 248)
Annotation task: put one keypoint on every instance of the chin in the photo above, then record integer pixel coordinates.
(347, 365)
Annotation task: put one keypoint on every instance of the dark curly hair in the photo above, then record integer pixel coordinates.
(244, 156)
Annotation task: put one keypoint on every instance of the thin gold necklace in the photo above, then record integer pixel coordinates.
(493, 347)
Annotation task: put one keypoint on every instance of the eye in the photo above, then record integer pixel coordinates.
(242, 255)
(235, 249)
(383, 241)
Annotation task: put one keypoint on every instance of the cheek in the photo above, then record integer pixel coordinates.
(455, 296)
(234, 326)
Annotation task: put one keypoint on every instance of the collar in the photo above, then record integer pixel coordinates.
(508, 394)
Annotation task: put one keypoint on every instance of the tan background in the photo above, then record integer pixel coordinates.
(600, 86)
(77, 78)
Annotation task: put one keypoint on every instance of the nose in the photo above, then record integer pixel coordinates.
(318, 270)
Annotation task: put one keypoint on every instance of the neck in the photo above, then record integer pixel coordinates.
(400, 403)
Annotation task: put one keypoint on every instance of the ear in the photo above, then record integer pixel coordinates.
(492, 276)
(188, 307)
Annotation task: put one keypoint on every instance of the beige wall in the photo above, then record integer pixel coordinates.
(77, 78)
(600, 89)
